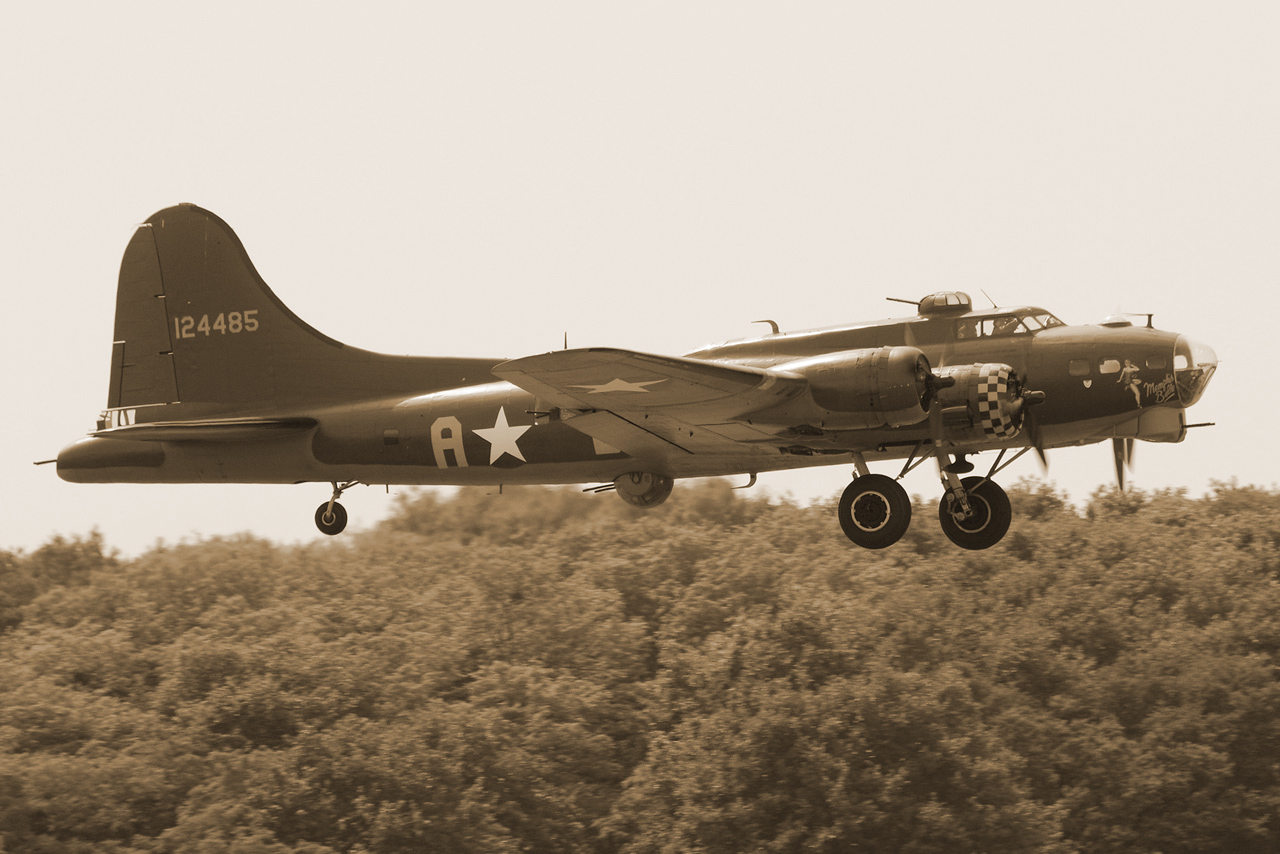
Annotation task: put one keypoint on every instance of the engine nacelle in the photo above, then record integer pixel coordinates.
(985, 403)
(878, 387)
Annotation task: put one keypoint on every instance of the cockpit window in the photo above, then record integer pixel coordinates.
(1008, 325)
(989, 327)
(1041, 320)
(1005, 325)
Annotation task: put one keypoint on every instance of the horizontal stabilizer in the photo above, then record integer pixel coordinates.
(213, 430)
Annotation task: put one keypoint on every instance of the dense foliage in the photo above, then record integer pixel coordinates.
(550, 672)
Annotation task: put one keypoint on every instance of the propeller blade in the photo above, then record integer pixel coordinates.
(1122, 451)
(1117, 451)
(1030, 399)
(1032, 426)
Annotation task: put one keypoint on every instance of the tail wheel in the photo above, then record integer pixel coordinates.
(333, 520)
(986, 525)
(874, 511)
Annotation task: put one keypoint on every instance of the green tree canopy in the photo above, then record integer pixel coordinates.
(555, 672)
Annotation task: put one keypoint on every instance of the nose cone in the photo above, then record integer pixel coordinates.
(1193, 366)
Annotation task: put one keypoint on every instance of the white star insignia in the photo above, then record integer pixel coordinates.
(502, 438)
(618, 385)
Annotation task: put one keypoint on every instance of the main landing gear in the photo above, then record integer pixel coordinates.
(874, 511)
(331, 517)
(983, 522)
(974, 512)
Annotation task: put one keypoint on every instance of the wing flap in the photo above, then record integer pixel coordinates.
(619, 433)
(655, 435)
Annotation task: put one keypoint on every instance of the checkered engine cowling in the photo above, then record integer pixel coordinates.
(985, 403)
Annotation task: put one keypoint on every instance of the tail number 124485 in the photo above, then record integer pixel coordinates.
(232, 323)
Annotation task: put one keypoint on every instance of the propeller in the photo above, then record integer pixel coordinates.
(1122, 450)
(1028, 401)
(1032, 425)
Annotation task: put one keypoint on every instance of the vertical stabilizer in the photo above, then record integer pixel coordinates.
(199, 334)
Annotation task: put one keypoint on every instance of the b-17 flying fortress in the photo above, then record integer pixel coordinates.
(213, 379)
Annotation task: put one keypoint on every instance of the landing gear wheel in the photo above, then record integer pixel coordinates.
(874, 511)
(643, 489)
(990, 519)
(331, 522)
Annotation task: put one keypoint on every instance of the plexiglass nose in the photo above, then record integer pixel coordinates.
(1193, 366)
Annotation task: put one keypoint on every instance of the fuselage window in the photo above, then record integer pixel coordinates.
(1157, 362)
(1078, 367)
(1108, 366)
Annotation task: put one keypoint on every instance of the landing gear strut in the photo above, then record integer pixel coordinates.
(874, 511)
(331, 517)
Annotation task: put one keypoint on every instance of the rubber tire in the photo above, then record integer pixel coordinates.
(657, 488)
(336, 524)
(990, 522)
(874, 511)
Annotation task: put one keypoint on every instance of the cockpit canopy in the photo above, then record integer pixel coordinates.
(1023, 321)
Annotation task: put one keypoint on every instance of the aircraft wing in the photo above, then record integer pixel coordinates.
(643, 403)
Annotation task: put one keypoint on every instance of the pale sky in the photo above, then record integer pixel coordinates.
(479, 179)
